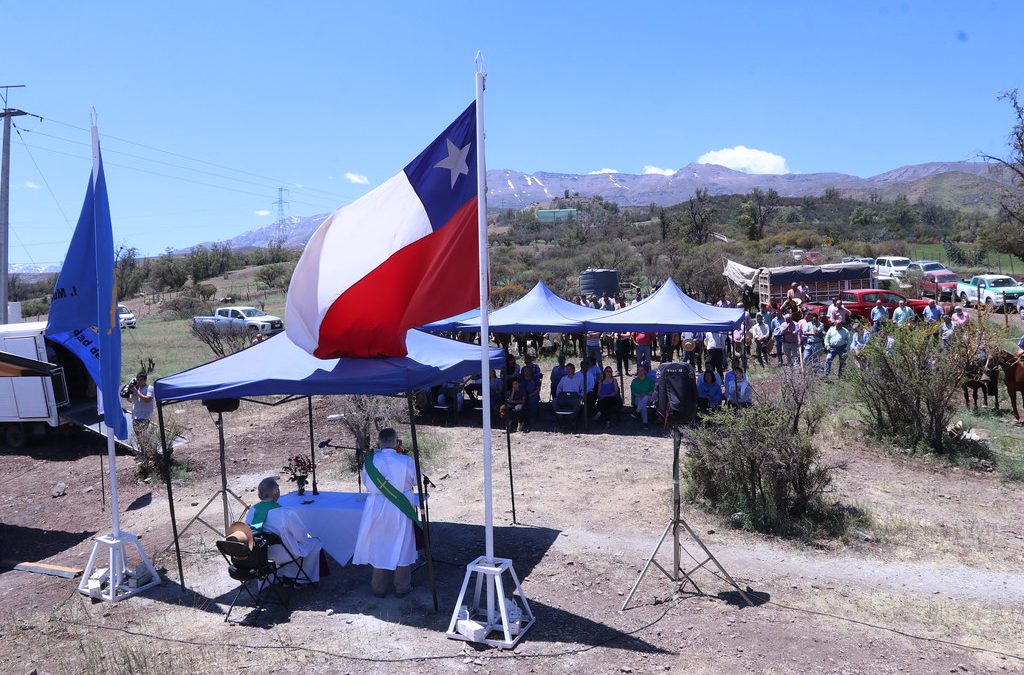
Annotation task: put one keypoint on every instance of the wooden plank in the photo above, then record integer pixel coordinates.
(44, 568)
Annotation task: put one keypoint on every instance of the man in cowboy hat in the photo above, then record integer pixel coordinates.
(270, 516)
(386, 540)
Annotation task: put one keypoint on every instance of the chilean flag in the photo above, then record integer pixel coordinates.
(403, 255)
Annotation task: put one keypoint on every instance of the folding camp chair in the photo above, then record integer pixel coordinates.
(282, 573)
(247, 565)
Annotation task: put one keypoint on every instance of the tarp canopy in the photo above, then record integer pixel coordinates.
(278, 367)
(741, 275)
(451, 323)
(540, 310)
(812, 273)
(669, 310)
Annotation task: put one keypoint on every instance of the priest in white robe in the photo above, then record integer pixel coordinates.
(386, 540)
(270, 516)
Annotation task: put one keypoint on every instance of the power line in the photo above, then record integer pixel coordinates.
(42, 177)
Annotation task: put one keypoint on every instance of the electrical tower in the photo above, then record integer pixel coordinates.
(5, 196)
(280, 213)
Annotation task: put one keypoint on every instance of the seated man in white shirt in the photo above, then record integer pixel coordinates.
(270, 516)
(569, 392)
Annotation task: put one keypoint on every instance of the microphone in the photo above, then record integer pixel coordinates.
(427, 481)
(324, 443)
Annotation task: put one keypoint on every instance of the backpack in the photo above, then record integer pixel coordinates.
(676, 394)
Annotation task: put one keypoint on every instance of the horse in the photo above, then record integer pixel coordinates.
(1013, 376)
(983, 375)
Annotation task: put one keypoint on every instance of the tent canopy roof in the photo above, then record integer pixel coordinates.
(540, 310)
(278, 367)
(669, 309)
(451, 323)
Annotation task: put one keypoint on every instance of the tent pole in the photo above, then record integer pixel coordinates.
(170, 495)
(223, 474)
(312, 447)
(423, 503)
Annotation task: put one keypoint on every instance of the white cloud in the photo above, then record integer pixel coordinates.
(262, 212)
(31, 186)
(299, 186)
(747, 160)
(648, 169)
(600, 171)
(357, 178)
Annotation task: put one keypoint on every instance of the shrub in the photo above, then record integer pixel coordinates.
(909, 391)
(222, 340)
(364, 416)
(750, 461)
(184, 307)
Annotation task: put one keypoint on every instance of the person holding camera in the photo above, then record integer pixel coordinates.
(143, 403)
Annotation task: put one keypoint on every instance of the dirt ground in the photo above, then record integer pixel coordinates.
(936, 586)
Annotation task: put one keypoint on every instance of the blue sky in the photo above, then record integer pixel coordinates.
(206, 108)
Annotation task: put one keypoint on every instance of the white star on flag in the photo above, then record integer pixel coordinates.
(455, 161)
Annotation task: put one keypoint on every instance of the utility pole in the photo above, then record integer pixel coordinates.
(280, 213)
(5, 199)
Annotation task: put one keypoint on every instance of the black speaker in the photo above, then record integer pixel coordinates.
(221, 405)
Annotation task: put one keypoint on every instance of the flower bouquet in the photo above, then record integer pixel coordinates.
(298, 469)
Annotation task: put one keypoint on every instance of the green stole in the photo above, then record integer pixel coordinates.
(393, 494)
(259, 513)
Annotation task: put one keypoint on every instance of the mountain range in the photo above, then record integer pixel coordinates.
(973, 185)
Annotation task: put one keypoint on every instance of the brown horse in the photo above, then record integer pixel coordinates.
(1013, 375)
(985, 377)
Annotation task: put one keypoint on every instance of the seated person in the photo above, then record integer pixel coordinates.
(557, 373)
(709, 392)
(642, 390)
(738, 391)
(270, 516)
(515, 404)
(531, 390)
(608, 398)
(569, 393)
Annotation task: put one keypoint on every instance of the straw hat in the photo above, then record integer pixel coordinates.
(689, 344)
(240, 532)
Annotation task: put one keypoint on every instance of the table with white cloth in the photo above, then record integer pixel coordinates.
(332, 517)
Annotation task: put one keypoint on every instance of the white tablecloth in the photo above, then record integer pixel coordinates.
(333, 517)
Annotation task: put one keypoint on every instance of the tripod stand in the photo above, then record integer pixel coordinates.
(224, 492)
(678, 574)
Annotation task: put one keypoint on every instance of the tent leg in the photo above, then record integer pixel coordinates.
(423, 504)
(511, 484)
(170, 495)
(312, 446)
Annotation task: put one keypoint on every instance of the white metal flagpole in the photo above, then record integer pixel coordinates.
(503, 614)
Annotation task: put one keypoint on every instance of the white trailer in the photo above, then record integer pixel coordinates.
(31, 405)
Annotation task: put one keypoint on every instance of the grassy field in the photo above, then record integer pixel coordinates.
(169, 343)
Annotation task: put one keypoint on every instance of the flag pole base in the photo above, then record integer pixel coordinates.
(117, 581)
(476, 623)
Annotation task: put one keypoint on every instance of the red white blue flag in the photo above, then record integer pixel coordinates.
(401, 256)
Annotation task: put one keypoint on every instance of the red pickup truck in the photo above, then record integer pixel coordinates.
(939, 285)
(861, 301)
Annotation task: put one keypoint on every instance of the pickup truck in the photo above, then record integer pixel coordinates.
(252, 319)
(991, 290)
(939, 285)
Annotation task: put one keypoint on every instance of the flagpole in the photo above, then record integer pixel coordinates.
(485, 333)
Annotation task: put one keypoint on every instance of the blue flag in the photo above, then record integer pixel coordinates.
(85, 297)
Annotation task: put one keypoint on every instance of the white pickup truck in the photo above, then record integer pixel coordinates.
(992, 290)
(251, 319)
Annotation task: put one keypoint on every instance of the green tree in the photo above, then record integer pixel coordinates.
(1011, 201)
(699, 215)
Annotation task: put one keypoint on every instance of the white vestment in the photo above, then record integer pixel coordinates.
(286, 524)
(386, 538)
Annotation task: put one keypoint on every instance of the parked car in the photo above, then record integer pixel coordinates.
(891, 266)
(866, 261)
(797, 253)
(252, 319)
(813, 257)
(923, 266)
(850, 259)
(860, 302)
(939, 285)
(125, 317)
(991, 290)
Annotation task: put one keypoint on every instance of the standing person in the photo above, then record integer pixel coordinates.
(643, 348)
(594, 345)
(932, 313)
(902, 315)
(879, 316)
(791, 341)
(837, 341)
(812, 333)
(386, 540)
(723, 301)
(714, 343)
(837, 312)
(622, 345)
(947, 331)
(739, 344)
(641, 392)
(960, 317)
(858, 341)
(778, 320)
(143, 404)
(761, 335)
